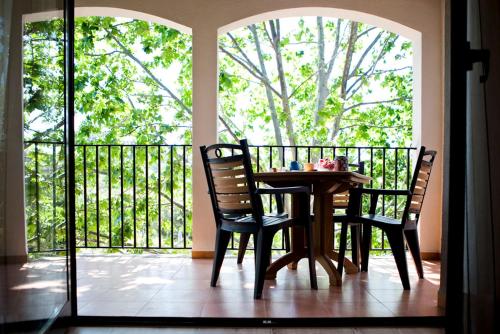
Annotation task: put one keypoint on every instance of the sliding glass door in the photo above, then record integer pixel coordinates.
(34, 230)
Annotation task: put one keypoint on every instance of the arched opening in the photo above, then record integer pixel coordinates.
(310, 87)
(133, 131)
(410, 38)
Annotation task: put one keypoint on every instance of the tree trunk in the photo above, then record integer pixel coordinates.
(324, 69)
(275, 41)
(269, 93)
(322, 78)
(345, 77)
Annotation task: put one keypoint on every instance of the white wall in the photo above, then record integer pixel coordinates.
(418, 20)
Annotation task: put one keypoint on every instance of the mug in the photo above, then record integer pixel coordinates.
(308, 167)
(295, 165)
(341, 163)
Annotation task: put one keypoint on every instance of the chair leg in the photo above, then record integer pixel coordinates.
(343, 246)
(255, 238)
(412, 241)
(286, 235)
(366, 243)
(397, 243)
(356, 243)
(263, 250)
(311, 257)
(244, 238)
(221, 242)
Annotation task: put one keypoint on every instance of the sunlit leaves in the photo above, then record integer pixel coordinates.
(380, 70)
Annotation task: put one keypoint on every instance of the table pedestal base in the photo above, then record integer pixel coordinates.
(323, 236)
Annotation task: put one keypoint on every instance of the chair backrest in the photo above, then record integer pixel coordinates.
(419, 184)
(230, 181)
(341, 200)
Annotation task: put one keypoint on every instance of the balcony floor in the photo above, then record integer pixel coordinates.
(166, 286)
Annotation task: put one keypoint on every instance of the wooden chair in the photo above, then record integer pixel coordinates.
(341, 202)
(396, 230)
(234, 194)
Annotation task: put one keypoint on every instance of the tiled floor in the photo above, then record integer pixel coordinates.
(34, 290)
(165, 286)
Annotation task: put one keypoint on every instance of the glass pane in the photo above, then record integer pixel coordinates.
(34, 253)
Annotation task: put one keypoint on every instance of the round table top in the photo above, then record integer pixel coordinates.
(312, 176)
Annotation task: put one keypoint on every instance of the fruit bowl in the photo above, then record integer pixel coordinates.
(326, 164)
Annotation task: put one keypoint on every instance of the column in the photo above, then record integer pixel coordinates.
(205, 87)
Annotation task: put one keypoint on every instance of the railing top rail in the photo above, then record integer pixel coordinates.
(43, 142)
(136, 145)
(335, 146)
(268, 146)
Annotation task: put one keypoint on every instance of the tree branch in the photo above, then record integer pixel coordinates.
(352, 88)
(365, 32)
(102, 54)
(375, 102)
(127, 52)
(373, 126)
(239, 61)
(365, 53)
(244, 55)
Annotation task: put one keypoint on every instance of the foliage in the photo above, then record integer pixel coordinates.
(307, 81)
(316, 81)
(132, 86)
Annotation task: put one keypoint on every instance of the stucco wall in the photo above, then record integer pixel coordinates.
(419, 20)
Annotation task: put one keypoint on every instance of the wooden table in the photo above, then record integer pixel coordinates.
(323, 185)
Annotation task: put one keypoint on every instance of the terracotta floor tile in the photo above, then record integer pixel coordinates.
(410, 308)
(178, 295)
(345, 296)
(309, 309)
(254, 309)
(128, 285)
(112, 308)
(171, 309)
(357, 309)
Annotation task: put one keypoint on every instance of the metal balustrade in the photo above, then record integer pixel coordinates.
(139, 196)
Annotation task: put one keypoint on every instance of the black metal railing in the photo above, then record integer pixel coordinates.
(389, 167)
(139, 196)
(134, 196)
(45, 196)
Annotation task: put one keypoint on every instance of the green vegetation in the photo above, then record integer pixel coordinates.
(298, 81)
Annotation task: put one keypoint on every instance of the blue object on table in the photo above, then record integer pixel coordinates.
(295, 165)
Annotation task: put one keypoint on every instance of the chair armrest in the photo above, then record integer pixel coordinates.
(284, 190)
(371, 191)
(375, 193)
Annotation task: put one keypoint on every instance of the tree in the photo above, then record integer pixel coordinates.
(286, 81)
(325, 81)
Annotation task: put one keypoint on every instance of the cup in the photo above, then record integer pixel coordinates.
(295, 165)
(273, 169)
(341, 163)
(308, 167)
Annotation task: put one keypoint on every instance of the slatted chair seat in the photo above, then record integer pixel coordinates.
(266, 220)
(379, 219)
(396, 230)
(237, 208)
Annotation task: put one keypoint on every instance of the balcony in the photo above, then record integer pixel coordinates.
(130, 251)
(144, 227)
